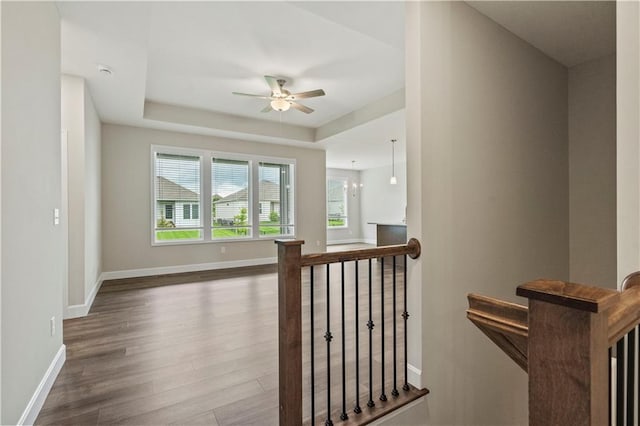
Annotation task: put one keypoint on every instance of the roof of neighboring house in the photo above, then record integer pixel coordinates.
(269, 191)
(171, 191)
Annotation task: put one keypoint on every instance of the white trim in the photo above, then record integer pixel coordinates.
(144, 272)
(394, 413)
(370, 241)
(347, 241)
(415, 376)
(40, 395)
(82, 310)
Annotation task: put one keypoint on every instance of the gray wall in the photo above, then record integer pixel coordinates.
(93, 195)
(353, 230)
(126, 192)
(382, 202)
(487, 141)
(81, 121)
(592, 172)
(31, 244)
(73, 122)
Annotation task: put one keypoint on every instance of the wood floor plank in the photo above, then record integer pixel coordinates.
(167, 408)
(201, 348)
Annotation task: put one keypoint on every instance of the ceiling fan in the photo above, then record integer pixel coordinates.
(281, 99)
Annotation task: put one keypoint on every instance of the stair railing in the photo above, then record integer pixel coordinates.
(578, 344)
(321, 272)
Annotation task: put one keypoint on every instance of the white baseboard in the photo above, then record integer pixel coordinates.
(370, 241)
(347, 241)
(40, 395)
(414, 376)
(163, 270)
(82, 310)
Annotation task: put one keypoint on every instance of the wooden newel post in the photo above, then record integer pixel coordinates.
(290, 331)
(568, 353)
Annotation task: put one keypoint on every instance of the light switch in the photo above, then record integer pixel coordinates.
(56, 216)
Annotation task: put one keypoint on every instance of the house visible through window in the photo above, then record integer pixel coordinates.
(250, 197)
(177, 190)
(276, 198)
(336, 202)
(231, 212)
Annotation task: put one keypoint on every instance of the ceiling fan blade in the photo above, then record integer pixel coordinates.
(301, 107)
(267, 108)
(253, 96)
(304, 95)
(273, 84)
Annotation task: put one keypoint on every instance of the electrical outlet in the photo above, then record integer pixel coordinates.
(223, 249)
(318, 243)
(56, 216)
(53, 326)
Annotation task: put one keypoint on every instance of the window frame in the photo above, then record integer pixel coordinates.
(345, 185)
(205, 214)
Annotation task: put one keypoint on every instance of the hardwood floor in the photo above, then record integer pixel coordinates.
(201, 348)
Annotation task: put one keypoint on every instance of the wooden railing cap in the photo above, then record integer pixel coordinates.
(576, 296)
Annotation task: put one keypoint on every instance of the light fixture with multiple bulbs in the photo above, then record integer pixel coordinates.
(393, 180)
(354, 185)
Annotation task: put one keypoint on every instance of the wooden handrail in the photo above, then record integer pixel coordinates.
(412, 249)
(625, 315)
(565, 333)
(504, 323)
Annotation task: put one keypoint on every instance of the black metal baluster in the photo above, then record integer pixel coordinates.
(313, 371)
(343, 415)
(328, 337)
(394, 392)
(620, 382)
(357, 408)
(631, 352)
(405, 316)
(370, 326)
(383, 396)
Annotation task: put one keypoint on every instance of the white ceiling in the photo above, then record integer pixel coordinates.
(185, 58)
(369, 145)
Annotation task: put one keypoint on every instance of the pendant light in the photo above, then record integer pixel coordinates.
(393, 180)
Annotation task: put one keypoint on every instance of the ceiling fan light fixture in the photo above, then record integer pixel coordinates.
(280, 105)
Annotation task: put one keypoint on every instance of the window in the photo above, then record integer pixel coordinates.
(230, 212)
(177, 188)
(190, 211)
(276, 199)
(336, 202)
(168, 211)
(250, 197)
